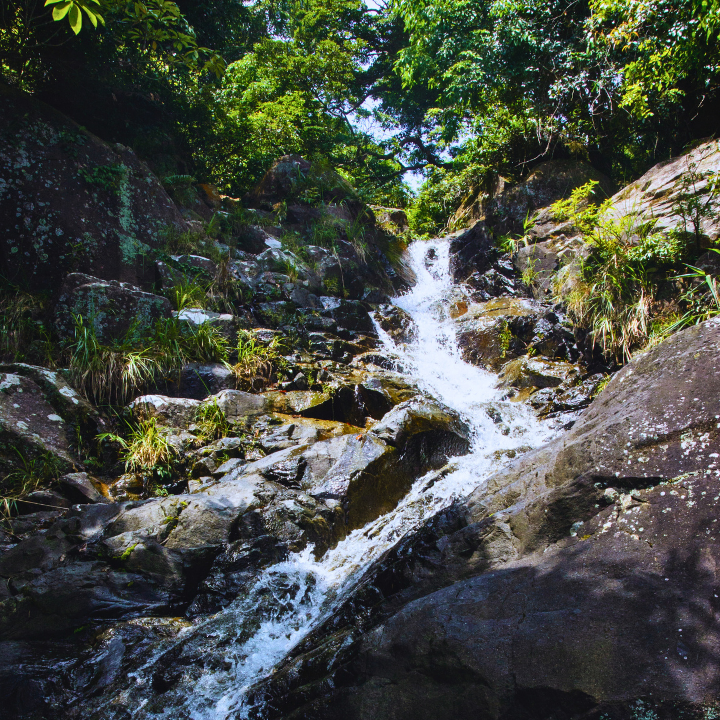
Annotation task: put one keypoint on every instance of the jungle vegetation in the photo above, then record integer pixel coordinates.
(456, 90)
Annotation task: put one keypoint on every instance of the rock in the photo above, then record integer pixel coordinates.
(419, 416)
(349, 314)
(485, 331)
(275, 314)
(472, 251)
(548, 182)
(79, 488)
(237, 405)
(61, 395)
(120, 559)
(568, 586)
(278, 182)
(42, 500)
(657, 193)
(84, 205)
(301, 402)
(32, 430)
(396, 323)
(564, 399)
(226, 324)
(536, 265)
(115, 310)
(175, 412)
(199, 380)
(280, 261)
(498, 280)
(536, 373)
(305, 299)
(186, 268)
(393, 220)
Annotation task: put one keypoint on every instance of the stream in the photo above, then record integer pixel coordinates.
(244, 642)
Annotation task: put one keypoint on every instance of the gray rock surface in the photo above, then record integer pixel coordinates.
(578, 583)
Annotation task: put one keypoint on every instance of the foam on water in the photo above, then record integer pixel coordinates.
(245, 641)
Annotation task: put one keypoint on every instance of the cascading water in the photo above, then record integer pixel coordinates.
(243, 643)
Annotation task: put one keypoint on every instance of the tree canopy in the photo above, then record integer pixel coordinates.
(458, 90)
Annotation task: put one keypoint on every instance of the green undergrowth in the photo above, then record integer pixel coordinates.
(257, 363)
(24, 333)
(211, 422)
(113, 373)
(30, 474)
(145, 448)
(635, 285)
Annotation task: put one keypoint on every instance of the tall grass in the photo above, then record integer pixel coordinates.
(114, 373)
(256, 361)
(23, 335)
(146, 448)
(30, 474)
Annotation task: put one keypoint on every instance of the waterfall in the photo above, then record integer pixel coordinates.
(245, 641)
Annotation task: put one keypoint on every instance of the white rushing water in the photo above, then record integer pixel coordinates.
(288, 600)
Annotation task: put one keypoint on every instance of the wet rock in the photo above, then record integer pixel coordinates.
(535, 373)
(79, 488)
(301, 402)
(419, 416)
(349, 314)
(566, 399)
(115, 310)
(472, 251)
(500, 279)
(42, 500)
(601, 539)
(396, 323)
(488, 332)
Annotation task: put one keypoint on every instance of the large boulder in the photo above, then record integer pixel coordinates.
(659, 196)
(513, 205)
(42, 421)
(115, 310)
(70, 202)
(472, 251)
(579, 582)
(508, 207)
(115, 560)
(490, 333)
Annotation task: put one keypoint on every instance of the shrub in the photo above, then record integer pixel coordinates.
(23, 335)
(33, 473)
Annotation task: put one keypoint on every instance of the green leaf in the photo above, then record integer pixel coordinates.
(61, 10)
(92, 16)
(50, 2)
(75, 18)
